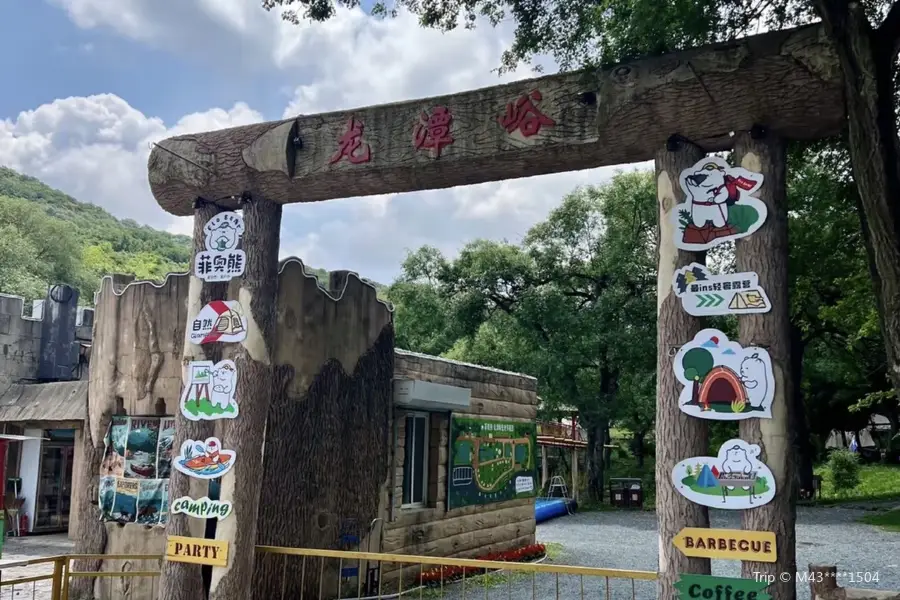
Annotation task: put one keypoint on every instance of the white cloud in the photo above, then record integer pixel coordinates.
(95, 148)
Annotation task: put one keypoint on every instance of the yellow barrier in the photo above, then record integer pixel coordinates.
(431, 577)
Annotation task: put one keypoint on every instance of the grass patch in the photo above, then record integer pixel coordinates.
(876, 482)
(888, 520)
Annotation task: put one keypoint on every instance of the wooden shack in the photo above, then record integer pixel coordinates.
(428, 526)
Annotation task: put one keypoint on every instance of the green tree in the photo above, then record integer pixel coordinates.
(587, 33)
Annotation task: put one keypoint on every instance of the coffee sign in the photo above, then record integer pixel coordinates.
(707, 587)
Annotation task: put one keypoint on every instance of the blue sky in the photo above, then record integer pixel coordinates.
(94, 82)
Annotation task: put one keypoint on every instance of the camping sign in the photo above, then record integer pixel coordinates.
(219, 321)
(722, 380)
(704, 294)
(735, 479)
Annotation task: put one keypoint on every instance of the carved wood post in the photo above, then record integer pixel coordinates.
(183, 581)
(255, 373)
(678, 436)
(766, 253)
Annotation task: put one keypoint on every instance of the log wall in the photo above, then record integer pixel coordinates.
(470, 531)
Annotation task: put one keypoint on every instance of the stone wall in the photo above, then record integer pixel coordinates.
(20, 338)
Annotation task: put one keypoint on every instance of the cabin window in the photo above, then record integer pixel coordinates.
(415, 464)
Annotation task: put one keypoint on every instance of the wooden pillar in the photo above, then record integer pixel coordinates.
(183, 581)
(766, 253)
(545, 468)
(678, 436)
(574, 493)
(255, 373)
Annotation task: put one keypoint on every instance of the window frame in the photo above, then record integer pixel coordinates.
(409, 452)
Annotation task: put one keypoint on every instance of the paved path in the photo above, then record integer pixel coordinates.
(26, 548)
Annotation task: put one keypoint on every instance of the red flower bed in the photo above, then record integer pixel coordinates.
(448, 574)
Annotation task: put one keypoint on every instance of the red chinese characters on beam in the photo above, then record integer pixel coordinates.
(432, 132)
(524, 115)
(351, 146)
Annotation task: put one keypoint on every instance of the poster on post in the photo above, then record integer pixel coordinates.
(491, 460)
(222, 260)
(704, 294)
(135, 469)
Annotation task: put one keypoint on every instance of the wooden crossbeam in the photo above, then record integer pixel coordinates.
(787, 81)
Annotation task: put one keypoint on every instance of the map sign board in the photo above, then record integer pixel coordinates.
(491, 460)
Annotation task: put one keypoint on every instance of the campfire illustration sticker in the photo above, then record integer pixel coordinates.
(221, 261)
(734, 480)
(204, 460)
(703, 294)
(209, 392)
(718, 205)
(723, 381)
(219, 321)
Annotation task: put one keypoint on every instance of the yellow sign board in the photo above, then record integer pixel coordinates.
(197, 551)
(733, 544)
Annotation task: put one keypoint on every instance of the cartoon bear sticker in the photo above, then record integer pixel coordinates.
(718, 205)
(736, 479)
(722, 380)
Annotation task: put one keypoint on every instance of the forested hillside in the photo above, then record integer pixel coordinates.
(49, 237)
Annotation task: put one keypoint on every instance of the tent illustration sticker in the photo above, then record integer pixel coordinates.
(723, 381)
(735, 479)
(704, 294)
(718, 205)
(208, 394)
(204, 459)
(219, 321)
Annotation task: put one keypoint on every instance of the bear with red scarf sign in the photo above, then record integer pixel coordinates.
(719, 206)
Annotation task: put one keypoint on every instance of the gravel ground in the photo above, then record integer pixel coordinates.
(615, 540)
(628, 540)
(17, 549)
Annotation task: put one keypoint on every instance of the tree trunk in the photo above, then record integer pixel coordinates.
(596, 430)
(255, 374)
(867, 59)
(183, 581)
(803, 448)
(638, 446)
(766, 254)
(678, 436)
(90, 532)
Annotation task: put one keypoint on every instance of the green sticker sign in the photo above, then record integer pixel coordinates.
(708, 587)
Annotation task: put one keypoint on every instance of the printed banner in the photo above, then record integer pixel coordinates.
(491, 461)
(135, 468)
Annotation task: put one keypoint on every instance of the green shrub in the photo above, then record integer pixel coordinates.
(843, 470)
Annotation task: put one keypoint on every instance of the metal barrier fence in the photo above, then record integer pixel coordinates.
(305, 573)
(328, 574)
(54, 583)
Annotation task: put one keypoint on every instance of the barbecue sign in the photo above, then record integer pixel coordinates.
(704, 294)
(729, 544)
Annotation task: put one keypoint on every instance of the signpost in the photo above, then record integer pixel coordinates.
(708, 587)
(197, 551)
(728, 544)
